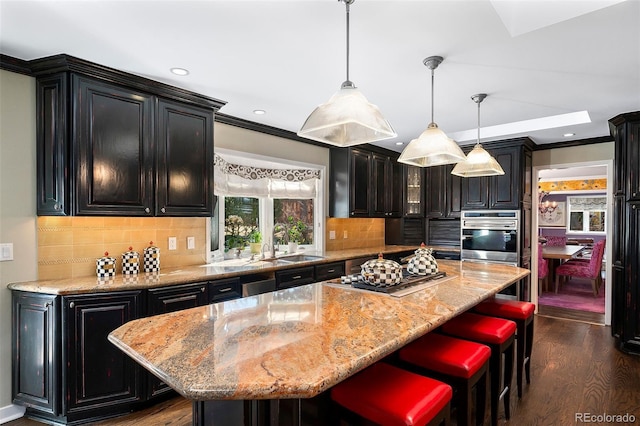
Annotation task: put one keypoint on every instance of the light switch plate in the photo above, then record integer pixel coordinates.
(332, 235)
(191, 243)
(6, 251)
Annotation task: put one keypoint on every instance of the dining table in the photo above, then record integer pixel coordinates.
(558, 254)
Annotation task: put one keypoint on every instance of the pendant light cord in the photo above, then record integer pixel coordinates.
(347, 4)
(478, 141)
(432, 95)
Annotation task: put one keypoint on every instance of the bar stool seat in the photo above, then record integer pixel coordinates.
(388, 395)
(522, 314)
(499, 335)
(460, 363)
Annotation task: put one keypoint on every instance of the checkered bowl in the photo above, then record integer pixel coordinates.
(382, 272)
(423, 263)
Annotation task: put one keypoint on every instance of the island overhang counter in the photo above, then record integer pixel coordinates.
(237, 359)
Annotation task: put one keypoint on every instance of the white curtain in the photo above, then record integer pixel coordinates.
(252, 180)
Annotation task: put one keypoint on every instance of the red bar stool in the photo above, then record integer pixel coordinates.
(389, 395)
(499, 335)
(459, 363)
(522, 314)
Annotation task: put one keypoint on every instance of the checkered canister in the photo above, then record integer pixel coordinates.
(151, 260)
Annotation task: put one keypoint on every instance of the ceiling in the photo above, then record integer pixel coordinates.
(533, 58)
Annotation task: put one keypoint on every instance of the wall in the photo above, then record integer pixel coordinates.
(573, 155)
(360, 233)
(17, 206)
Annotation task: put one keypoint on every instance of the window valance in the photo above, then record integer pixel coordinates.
(588, 203)
(241, 177)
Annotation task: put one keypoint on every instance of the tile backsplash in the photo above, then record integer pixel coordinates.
(68, 246)
(360, 233)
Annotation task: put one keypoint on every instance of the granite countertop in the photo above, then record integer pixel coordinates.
(188, 274)
(298, 342)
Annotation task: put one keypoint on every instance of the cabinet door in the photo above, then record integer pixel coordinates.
(386, 186)
(185, 160)
(414, 200)
(453, 195)
(443, 193)
(176, 298)
(633, 160)
(52, 146)
(35, 350)
(475, 193)
(393, 188)
(329, 271)
(114, 155)
(96, 374)
(632, 286)
(360, 183)
(505, 190)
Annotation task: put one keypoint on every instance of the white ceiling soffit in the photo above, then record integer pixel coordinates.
(523, 127)
(523, 16)
(573, 173)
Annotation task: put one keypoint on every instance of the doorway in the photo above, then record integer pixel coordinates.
(558, 184)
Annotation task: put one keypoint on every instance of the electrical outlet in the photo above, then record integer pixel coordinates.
(173, 243)
(332, 235)
(191, 243)
(344, 235)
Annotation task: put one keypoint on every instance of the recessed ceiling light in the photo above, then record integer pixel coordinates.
(566, 135)
(399, 143)
(179, 71)
(259, 112)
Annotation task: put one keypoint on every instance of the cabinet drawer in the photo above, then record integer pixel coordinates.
(295, 277)
(329, 270)
(176, 298)
(225, 289)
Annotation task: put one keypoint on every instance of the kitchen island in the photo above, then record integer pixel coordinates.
(236, 360)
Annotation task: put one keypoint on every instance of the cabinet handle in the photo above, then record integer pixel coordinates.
(147, 210)
(635, 193)
(633, 206)
(55, 206)
(163, 210)
(47, 304)
(224, 290)
(297, 277)
(329, 271)
(202, 289)
(71, 305)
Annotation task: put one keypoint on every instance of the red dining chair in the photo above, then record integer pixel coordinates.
(591, 270)
(543, 270)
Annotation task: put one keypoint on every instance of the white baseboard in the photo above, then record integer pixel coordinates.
(11, 412)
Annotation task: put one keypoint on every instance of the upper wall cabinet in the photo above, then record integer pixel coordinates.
(364, 183)
(507, 191)
(110, 143)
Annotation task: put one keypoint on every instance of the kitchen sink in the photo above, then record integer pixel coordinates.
(299, 258)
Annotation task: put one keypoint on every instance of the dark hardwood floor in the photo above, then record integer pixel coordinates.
(575, 368)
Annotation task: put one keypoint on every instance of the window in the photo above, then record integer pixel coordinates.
(265, 201)
(586, 215)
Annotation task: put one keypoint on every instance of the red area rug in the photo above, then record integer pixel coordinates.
(575, 294)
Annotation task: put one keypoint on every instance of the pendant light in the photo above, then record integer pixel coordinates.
(433, 147)
(479, 162)
(347, 118)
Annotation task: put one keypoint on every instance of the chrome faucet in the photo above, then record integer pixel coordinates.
(265, 245)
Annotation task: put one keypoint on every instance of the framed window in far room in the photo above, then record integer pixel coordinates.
(586, 214)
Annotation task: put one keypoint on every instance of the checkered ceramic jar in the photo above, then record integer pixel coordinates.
(382, 272)
(130, 262)
(423, 263)
(151, 259)
(106, 266)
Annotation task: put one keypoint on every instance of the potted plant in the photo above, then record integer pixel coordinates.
(296, 233)
(255, 240)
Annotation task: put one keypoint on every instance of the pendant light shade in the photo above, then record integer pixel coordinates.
(478, 162)
(347, 119)
(433, 147)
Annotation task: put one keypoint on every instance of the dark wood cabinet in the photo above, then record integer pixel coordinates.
(97, 376)
(110, 143)
(295, 277)
(625, 319)
(35, 350)
(414, 191)
(386, 186)
(503, 192)
(364, 183)
(185, 160)
(224, 289)
(328, 271)
(443, 193)
(172, 299)
(114, 155)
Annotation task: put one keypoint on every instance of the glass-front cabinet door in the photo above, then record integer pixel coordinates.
(414, 190)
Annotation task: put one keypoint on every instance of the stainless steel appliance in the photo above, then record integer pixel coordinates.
(490, 236)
